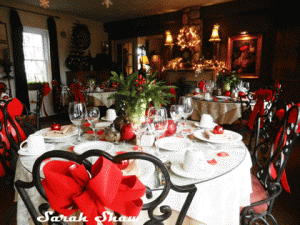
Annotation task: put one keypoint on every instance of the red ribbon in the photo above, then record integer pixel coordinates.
(76, 89)
(261, 95)
(14, 109)
(69, 187)
(292, 119)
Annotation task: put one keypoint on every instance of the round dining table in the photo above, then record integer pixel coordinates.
(224, 110)
(220, 192)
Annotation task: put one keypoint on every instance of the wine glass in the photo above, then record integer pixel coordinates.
(186, 110)
(139, 128)
(93, 115)
(247, 86)
(77, 111)
(176, 115)
(158, 123)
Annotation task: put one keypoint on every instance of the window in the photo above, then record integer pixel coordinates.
(36, 54)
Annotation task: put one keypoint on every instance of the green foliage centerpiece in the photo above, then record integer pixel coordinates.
(227, 80)
(136, 93)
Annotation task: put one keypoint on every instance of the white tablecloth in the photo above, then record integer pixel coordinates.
(218, 197)
(222, 112)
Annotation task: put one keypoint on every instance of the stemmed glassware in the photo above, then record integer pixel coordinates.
(77, 112)
(139, 128)
(158, 123)
(176, 115)
(93, 115)
(185, 110)
(247, 86)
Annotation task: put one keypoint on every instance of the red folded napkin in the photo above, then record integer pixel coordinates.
(69, 187)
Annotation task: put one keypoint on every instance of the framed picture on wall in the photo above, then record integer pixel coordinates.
(3, 33)
(244, 55)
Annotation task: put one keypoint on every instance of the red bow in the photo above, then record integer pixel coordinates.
(201, 85)
(261, 95)
(69, 187)
(76, 89)
(292, 119)
(46, 89)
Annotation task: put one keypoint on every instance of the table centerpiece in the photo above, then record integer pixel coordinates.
(227, 80)
(136, 93)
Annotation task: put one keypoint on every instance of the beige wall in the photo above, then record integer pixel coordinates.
(65, 23)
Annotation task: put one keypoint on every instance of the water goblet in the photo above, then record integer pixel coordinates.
(139, 128)
(77, 112)
(176, 115)
(92, 116)
(186, 110)
(158, 123)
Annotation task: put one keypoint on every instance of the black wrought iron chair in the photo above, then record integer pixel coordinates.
(12, 134)
(270, 159)
(166, 211)
(264, 122)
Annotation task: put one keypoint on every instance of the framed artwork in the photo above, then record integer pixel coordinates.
(3, 32)
(244, 55)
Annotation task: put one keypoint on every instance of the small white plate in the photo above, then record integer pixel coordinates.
(223, 97)
(197, 124)
(174, 143)
(89, 145)
(49, 147)
(177, 169)
(102, 125)
(58, 138)
(104, 118)
(234, 137)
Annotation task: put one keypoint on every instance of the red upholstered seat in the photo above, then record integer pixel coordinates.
(258, 194)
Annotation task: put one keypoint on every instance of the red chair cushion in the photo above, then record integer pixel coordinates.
(258, 194)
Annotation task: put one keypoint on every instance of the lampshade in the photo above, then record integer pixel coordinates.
(169, 38)
(215, 34)
(144, 60)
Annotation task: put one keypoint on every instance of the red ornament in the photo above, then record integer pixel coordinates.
(171, 130)
(227, 93)
(241, 94)
(127, 133)
(218, 129)
(55, 126)
(124, 163)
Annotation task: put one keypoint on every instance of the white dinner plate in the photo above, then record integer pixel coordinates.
(234, 137)
(223, 97)
(178, 169)
(197, 124)
(49, 147)
(58, 138)
(143, 170)
(174, 143)
(89, 145)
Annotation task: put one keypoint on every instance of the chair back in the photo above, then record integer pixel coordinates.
(264, 121)
(11, 134)
(272, 154)
(3, 88)
(271, 158)
(37, 179)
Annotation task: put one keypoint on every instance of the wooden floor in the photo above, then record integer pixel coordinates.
(286, 209)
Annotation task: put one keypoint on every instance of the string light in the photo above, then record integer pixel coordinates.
(187, 37)
(107, 3)
(45, 4)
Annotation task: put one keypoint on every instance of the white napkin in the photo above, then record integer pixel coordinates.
(65, 130)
